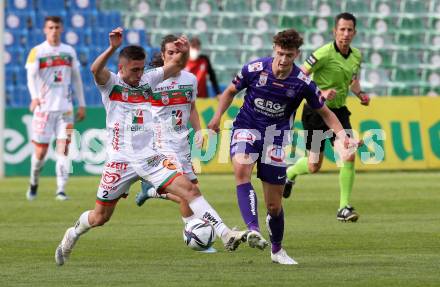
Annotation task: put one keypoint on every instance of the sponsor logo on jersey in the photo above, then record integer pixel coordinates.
(155, 160)
(165, 98)
(244, 136)
(58, 76)
(168, 164)
(304, 78)
(311, 60)
(255, 67)
(110, 177)
(115, 140)
(177, 119)
(124, 94)
(290, 93)
(278, 84)
(273, 108)
(117, 165)
(262, 80)
(277, 154)
(188, 95)
(138, 117)
(185, 87)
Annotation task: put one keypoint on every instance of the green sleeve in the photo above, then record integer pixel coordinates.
(316, 60)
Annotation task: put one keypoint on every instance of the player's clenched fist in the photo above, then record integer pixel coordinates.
(115, 37)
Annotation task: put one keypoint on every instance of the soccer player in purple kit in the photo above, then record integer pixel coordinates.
(275, 89)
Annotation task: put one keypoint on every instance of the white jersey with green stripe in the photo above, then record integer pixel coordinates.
(171, 107)
(53, 65)
(332, 70)
(129, 118)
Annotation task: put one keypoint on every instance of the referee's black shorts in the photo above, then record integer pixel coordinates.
(314, 127)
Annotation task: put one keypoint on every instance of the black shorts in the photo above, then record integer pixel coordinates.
(315, 128)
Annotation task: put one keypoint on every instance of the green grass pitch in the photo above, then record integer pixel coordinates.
(396, 241)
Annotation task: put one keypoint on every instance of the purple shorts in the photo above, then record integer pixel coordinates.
(271, 167)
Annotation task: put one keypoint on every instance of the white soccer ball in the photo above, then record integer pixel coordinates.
(198, 234)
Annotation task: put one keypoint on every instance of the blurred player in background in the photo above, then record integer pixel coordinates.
(130, 153)
(275, 87)
(335, 65)
(201, 67)
(173, 106)
(52, 72)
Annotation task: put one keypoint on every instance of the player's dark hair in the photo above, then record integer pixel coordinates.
(346, 16)
(288, 39)
(195, 41)
(167, 39)
(55, 19)
(157, 61)
(132, 52)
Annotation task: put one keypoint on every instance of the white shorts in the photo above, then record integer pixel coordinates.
(47, 124)
(117, 177)
(183, 163)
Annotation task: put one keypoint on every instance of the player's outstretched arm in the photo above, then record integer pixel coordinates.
(178, 62)
(99, 71)
(332, 121)
(225, 101)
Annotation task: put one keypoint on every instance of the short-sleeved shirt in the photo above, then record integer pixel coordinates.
(272, 102)
(129, 118)
(171, 108)
(332, 70)
(54, 80)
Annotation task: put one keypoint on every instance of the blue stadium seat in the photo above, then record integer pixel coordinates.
(82, 5)
(100, 38)
(14, 5)
(14, 37)
(80, 19)
(108, 19)
(35, 37)
(50, 6)
(134, 37)
(19, 19)
(77, 36)
(17, 56)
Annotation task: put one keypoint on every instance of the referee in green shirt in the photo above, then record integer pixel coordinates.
(335, 65)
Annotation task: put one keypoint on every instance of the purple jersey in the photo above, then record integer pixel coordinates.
(270, 101)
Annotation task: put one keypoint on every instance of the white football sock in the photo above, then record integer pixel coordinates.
(187, 219)
(62, 169)
(82, 225)
(202, 209)
(36, 166)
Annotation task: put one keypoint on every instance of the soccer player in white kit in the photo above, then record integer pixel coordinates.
(130, 154)
(52, 71)
(173, 106)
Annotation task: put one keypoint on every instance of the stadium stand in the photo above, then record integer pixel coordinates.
(400, 39)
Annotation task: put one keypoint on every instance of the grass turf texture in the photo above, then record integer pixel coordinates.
(395, 242)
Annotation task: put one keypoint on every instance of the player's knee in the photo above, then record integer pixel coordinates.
(273, 209)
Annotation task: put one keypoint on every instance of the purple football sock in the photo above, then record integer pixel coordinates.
(275, 225)
(247, 201)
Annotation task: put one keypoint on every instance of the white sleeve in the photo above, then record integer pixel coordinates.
(32, 74)
(194, 95)
(106, 89)
(78, 86)
(153, 77)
